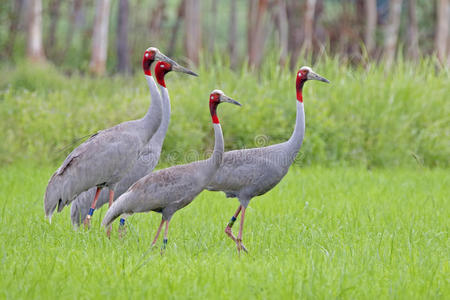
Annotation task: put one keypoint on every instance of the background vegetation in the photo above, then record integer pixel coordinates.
(366, 116)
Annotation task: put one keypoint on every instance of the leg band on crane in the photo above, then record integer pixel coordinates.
(164, 243)
(91, 211)
(122, 222)
(231, 223)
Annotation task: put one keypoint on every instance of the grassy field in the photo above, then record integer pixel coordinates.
(321, 233)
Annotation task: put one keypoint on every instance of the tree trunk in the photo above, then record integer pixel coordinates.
(54, 18)
(295, 31)
(256, 31)
(309, 25)
(212, 29)
(413, 31)
(391, 33)
(100, 38)
(281, 20)
(14, 19)
(75, 12)
(123, 58)
(176, 27)
(157, 18)
(440, 39)
(232, 34)
(371, 25)
(35, 52)
(193, 37)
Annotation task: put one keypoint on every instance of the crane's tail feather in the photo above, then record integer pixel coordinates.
(57, 195)
(52, 197)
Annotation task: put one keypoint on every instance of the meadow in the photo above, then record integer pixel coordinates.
(322, 233)
(363, 213)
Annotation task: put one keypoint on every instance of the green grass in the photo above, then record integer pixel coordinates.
(321, 233)
(368, 117)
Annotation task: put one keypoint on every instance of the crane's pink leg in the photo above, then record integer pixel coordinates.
(111, 198)
(157, 233)
(87, 221)
(228, 230)
(239, 238)
(166, 231)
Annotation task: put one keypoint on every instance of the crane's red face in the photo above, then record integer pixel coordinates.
(161, 69)
(147, 60)
(304, 74)
(215, 98)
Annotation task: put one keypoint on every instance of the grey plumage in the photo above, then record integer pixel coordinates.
(171, 189)
(103, 159)
(147, 161)
(248, 173)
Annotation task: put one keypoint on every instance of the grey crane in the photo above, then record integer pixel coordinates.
(168, 190)
(147, 160)
(248, 173)
(107, 156)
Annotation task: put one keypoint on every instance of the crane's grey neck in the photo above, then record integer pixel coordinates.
(152, 118)
(216, 157)
(295, 141)
(160, 134)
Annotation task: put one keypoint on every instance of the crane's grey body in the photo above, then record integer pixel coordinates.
(104, 159)
(253, 172)
(166, 191)
(147, 161)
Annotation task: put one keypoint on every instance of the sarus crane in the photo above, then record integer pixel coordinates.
(107, 156)
(147, 160)
(168, 190)
(248, 173)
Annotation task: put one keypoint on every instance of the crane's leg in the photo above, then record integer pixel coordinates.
(87, 221)
(240, 246)
(122, 229)
(228, 230)
(111, 199)
(157, 232)
(166, 231)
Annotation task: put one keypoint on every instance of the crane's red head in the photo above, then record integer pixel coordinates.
(303, 75)
(215, 98)
(148, 59)
(161, 69)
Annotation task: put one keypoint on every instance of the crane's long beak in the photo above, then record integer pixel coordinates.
(177, 68)
(225, 98)
(315, 76)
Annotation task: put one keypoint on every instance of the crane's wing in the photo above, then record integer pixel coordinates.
(102, 160)
(255, 170)
(171, 188)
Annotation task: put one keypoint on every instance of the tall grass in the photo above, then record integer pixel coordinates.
(367, 116)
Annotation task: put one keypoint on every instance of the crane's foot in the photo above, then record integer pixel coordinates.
(240, 246)
(87, 222)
